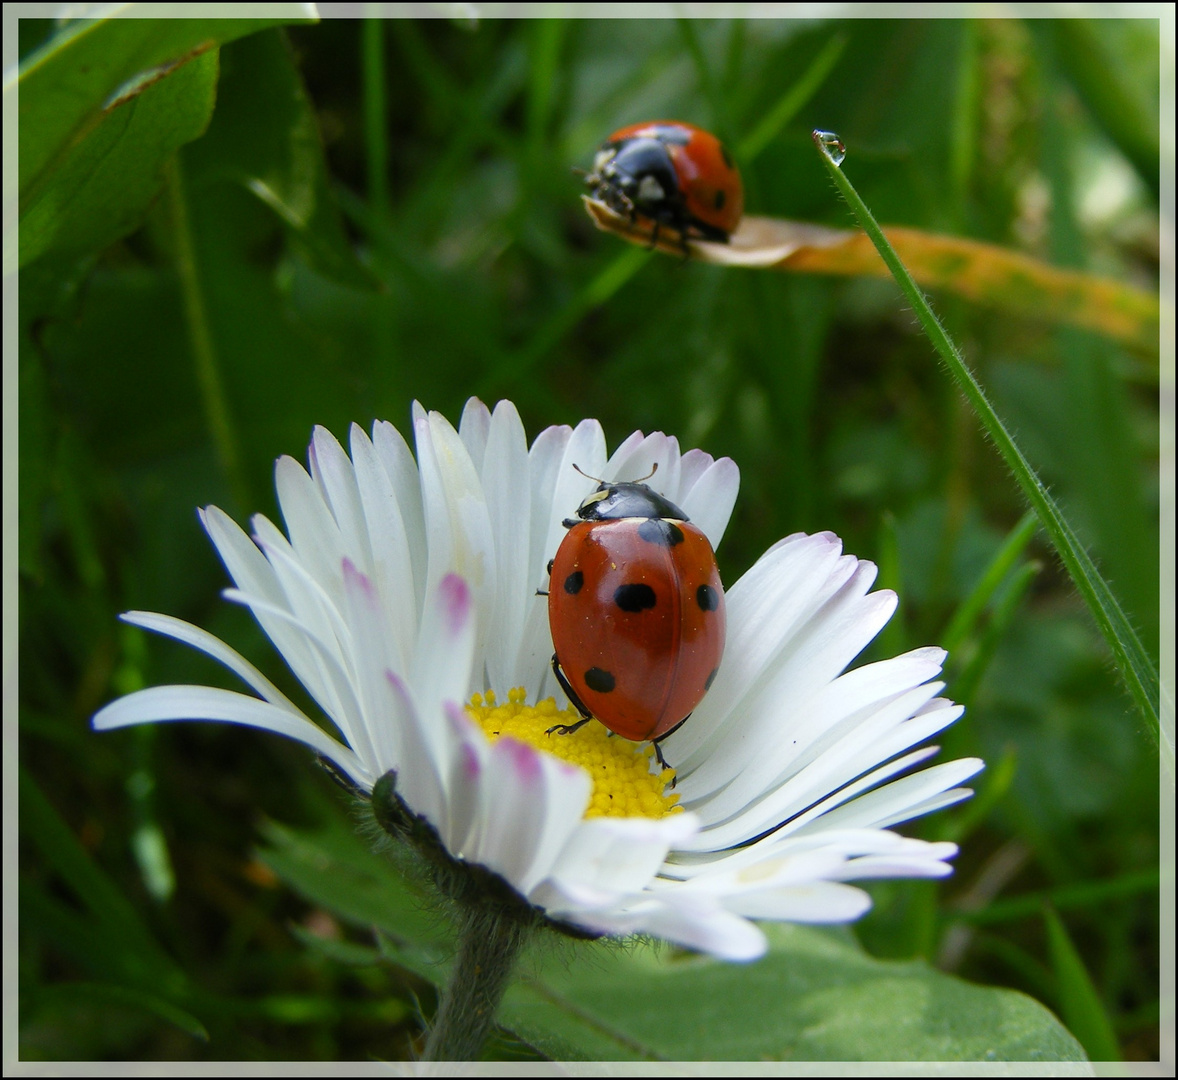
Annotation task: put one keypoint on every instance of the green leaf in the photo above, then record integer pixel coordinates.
(334, 868)
(815, 997)
(66, 84)
(106, 993)
(100, 190)
(102, 104)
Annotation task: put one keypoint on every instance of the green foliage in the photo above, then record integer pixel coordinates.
(815, 996)
(1136, 667)
(231, 232)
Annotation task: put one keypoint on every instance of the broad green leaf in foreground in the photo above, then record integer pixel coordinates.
(80, 99)
(815, 996)
(100, 190)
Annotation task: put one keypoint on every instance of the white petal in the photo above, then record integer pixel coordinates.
(245, 563)
(314, 535)
(712, 495)
(394, 454)
(507, 484)
(695, 921)
(531, 802)
(893, 802)
(764, 796)
(818, 902)
(466, 785)
(422, 783)
(801, 612)
(474, 428)
(214, 647)
(441, 670)
(332, 471)
(876, 867)
(321, 644)
(616, 856)
(692, 466)
(335, 692)
(163, 703)
(637, 456)
(392, 564)
(457, 522)
(372, 643)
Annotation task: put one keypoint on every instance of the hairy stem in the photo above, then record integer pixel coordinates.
(490, 939)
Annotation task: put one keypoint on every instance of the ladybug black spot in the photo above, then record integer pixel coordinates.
(573, 583)
(719, 200)
(707, 598)
(636, 597)
(711, 678)
(550, 562)
(599, 680)
(660, 531)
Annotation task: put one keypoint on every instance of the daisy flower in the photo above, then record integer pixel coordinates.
(403, 597)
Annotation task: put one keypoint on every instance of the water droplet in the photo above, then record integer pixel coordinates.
(831, 145)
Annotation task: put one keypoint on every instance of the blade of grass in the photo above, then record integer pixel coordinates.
(1116, 104)
(966, 683)
(1079, 1002)
(792, 101)
(1134, 665)
(1092, 895)
(512, 368)
(218, 416)
(703, 71)
(966, 616)
(113, 929)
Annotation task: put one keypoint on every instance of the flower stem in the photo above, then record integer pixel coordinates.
(490, 939)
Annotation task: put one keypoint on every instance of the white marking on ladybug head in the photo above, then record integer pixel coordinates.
(603, 158)
(650, 190)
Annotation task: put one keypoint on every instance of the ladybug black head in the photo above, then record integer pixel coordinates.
(627, 500)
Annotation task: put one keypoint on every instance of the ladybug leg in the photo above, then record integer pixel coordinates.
(658, 750)
(571, 694)
(544, 592)
(658, 753)
(568, 729)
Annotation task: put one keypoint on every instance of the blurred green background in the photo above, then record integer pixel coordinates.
(364, 214)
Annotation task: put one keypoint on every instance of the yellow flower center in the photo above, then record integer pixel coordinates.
(623, 784)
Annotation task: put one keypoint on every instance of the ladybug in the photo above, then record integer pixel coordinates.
(636, 610)
(675, 174)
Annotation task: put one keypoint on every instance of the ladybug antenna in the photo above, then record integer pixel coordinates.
(586, 475)
(653, 469)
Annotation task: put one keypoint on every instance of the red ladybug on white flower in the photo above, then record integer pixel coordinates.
(636, 610)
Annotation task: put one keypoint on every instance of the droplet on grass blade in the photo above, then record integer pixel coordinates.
(831, 145)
